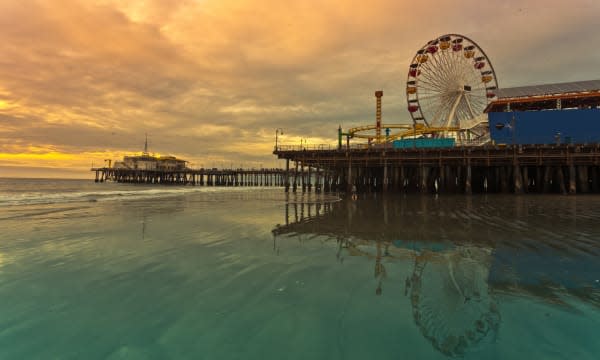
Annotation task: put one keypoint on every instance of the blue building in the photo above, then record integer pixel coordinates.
(566, 113)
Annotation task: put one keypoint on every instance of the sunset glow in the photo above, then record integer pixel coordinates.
(210, 81)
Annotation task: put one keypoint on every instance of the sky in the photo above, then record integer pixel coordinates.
(210, 81)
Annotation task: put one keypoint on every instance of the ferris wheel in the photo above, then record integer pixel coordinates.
(450, 82)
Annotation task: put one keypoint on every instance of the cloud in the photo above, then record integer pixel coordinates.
(210, 80)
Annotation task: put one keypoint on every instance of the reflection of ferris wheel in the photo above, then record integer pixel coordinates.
(450, 82)
(452, 302)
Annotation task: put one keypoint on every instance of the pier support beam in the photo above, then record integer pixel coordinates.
(526, 182)
(349, 179)
(295, 185)
(547, 182)
(287, 175)
(560, 178)
(402, 180)
(583, 177)
(572, 180)
(303, 177)
(386, 180)
(424, 179)
(517, 179)
(468, 188)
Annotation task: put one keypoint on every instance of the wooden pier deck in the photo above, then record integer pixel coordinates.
(482, 169)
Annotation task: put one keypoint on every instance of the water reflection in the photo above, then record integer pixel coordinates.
(465, 252)
(452, 303)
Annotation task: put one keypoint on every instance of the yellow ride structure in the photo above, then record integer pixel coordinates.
(373, 132)
(405, 131)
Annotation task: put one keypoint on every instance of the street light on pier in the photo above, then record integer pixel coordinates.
(277, 132)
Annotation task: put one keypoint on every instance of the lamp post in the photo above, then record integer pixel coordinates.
(512, 129)
(277, 132)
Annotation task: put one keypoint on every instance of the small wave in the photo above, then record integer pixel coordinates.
(38, 198)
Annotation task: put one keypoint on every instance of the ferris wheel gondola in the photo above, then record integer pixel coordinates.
(450, 82)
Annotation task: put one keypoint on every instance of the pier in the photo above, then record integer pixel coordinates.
(563, 169)
(194, 177)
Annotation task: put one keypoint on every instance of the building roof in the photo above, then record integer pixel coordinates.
(549, 89)
(140, 157)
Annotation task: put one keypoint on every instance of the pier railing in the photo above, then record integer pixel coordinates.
(306, 147)
(364, 146)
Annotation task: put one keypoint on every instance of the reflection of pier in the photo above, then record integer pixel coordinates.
(448, 289)
(546, 262)
(463, 253)
(200, 177)
(300, 212)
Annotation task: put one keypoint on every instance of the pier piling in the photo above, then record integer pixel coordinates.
(563, 169)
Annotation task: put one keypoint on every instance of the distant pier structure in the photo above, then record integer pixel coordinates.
(197, 177)
(169, 170)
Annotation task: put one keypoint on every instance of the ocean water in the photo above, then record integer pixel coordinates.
(113, 271)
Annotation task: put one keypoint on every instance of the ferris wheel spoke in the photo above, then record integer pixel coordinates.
(431, 74)
(441, 68)
(449, 63)
(474, 81)
(430, 83)
(430, 97)
(444, 110)
(445, 97)
(452, 114)
(455, 66)
(469, 106)
(436, 111)
(466, 113)
(478, 101)
(448, 78)
(462, 114)
(436, 69)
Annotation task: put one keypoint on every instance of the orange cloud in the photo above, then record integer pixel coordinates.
(210, 80)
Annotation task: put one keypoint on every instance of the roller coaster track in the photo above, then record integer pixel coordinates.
(477, 131)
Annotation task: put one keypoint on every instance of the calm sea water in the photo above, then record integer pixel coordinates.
(111, 271)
